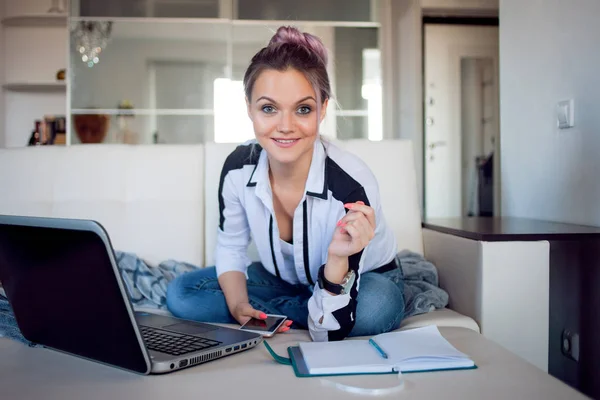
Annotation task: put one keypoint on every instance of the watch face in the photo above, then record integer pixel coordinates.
(348, 282)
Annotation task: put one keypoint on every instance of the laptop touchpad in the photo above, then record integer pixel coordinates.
(189, 328)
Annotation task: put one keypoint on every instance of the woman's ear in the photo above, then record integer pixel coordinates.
(324, 110)
(248, 108)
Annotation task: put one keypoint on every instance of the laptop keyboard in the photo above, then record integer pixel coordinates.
(175, 344)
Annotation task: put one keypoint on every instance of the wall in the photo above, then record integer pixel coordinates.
(548, 173)
(408, 60)
(549, 52)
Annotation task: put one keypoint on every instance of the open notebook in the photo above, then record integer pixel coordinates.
(415, 350)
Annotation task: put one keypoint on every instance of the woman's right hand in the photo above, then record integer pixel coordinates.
(244, 311)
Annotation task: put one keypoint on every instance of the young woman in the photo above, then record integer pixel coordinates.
(327, 257)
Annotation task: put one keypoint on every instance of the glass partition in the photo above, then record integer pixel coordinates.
(307, 10)
(144, 75)
(146, 8)
(153, 70)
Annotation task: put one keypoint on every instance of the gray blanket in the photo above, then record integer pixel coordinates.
(422, 293)
(8, 324)
(147, 286)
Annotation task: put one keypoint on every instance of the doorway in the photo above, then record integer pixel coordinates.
(461, 121)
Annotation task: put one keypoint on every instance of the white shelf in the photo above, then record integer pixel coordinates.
(351, 113)
(143, 111)
(40, 20)
(50, 87)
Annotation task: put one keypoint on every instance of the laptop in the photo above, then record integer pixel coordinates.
(62, 281)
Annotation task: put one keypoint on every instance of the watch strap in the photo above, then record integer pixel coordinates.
(335, 288)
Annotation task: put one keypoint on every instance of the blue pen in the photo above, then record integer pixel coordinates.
(379, 349)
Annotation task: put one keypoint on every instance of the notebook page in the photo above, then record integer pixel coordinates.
(419, 364)
(346, 356)
(424, 343)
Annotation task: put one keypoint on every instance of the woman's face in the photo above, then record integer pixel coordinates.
(283, 111)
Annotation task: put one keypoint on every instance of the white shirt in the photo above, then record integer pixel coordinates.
(246, 211)
(287, 252)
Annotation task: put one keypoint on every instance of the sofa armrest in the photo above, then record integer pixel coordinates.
(503, 286)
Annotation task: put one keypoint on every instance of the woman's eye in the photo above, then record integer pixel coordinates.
(304, 110)
(268, 109)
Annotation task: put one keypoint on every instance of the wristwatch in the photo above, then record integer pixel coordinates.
(335, 288)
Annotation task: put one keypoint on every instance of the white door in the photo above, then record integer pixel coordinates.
(447, 47)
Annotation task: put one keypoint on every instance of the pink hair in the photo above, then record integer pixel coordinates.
(290, 48)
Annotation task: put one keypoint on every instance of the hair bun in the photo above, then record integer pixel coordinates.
(291, 35)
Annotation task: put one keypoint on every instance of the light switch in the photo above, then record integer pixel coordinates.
(565, 114)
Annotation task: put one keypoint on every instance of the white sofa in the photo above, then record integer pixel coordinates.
(160, 201)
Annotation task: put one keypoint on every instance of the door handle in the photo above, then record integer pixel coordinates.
(436, 144)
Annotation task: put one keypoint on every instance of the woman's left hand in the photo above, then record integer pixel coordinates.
(354, 231)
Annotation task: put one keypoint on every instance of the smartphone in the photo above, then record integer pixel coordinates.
(266, 327)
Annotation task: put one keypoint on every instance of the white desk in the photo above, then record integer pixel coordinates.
(33, 373)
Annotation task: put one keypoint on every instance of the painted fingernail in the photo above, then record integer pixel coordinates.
(289, 323)
(342, 224)
(263, 315)
(348, 205)
(339, 223)
(285, 329)
(360, 202)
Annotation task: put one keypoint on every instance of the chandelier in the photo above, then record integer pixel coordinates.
(90, 38)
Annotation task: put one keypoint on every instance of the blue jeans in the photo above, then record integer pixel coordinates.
(198, 296)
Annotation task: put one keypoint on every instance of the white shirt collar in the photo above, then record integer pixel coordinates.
(315, 184)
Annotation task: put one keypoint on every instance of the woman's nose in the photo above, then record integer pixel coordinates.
(286, 123)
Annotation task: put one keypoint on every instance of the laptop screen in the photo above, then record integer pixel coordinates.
(64, 293)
